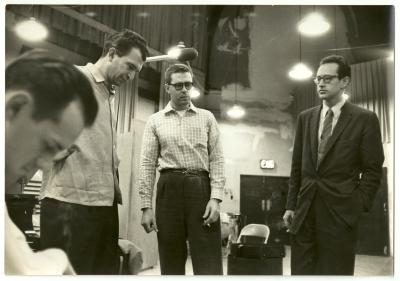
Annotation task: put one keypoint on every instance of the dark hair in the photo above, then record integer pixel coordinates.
(176, 68)
(53, 83)
(343, 68)
(124, 41)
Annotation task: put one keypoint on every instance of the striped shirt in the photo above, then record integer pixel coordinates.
(171, 141)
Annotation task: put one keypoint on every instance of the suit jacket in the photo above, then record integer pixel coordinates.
(350, 171)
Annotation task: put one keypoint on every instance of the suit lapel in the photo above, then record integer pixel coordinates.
(345, 117)
(314, 125)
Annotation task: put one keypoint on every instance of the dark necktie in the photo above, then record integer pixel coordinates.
(326, 133)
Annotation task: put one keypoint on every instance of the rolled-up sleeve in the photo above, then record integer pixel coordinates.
(216, 160)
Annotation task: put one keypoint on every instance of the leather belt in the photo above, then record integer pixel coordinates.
(186, 172)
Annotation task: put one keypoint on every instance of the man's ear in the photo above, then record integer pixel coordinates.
(111, 53)
(346, 81)
(166, 87)
(15, 102)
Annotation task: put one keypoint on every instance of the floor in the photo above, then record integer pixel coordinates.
(365, 266)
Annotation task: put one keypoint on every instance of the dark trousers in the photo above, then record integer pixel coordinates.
(88, 234)
(325, 243)
(180, 205)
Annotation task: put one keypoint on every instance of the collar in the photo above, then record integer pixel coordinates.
(98, 77)
(169, 108)
(337, 108)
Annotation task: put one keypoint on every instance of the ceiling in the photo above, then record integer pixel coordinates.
(369, 30)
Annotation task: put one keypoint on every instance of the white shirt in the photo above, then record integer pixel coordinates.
(336, 109)
(19, 259)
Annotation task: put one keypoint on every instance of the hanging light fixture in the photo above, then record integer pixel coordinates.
(300, 71)
(179, 52)
(313, 25)
(194, 93)
(176, 51)
(31, 30)
(236, 111)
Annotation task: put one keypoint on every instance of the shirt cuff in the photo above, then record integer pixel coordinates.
(145, 203)
(217, 193)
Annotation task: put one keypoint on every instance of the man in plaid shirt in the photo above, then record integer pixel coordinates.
(183, 143)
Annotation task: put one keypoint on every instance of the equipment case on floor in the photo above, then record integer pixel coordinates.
(255, 259)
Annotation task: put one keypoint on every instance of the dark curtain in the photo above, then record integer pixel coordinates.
(369, 89)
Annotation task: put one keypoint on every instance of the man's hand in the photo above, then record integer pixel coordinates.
(148, 220)
(212, 212)
(288, 217)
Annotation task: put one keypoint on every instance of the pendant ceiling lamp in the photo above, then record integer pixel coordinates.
(194, 93)
(313, 25)
(236, 111)
(31, 30)
(300, 71)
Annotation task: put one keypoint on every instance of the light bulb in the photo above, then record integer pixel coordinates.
(236, 112)
(313, 25)
(194, 93)
(300, 72)
(174, 52)
(31, 30)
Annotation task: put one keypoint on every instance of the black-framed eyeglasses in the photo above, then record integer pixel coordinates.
(325, 78)
(179, 86)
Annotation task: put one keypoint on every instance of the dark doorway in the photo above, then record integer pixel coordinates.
(262, 201)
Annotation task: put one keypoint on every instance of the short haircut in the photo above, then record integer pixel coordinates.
(53, 83)
(343, 67)
(124, 41)
(176, 68)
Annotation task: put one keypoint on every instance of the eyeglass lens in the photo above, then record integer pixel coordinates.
(179, 86)
(325, 78)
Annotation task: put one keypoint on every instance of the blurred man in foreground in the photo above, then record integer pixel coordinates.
(48, 102)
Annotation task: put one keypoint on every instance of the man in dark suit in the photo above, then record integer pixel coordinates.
(336, 170)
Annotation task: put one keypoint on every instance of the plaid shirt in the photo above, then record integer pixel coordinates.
(173, 142)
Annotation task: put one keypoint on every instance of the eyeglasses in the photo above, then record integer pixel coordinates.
(179, 86)
(326, 78)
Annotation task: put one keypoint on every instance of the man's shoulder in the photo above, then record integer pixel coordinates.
(358, 110)
(205, 112)
(159, 115)
(310, 111)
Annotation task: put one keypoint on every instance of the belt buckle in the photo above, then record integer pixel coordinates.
(187, 172)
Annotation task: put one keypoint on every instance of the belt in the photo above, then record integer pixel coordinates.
(191, 172)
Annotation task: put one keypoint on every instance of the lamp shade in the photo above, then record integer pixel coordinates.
(313, 25)
(31, 30)
(300, 72)
(236, 112)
